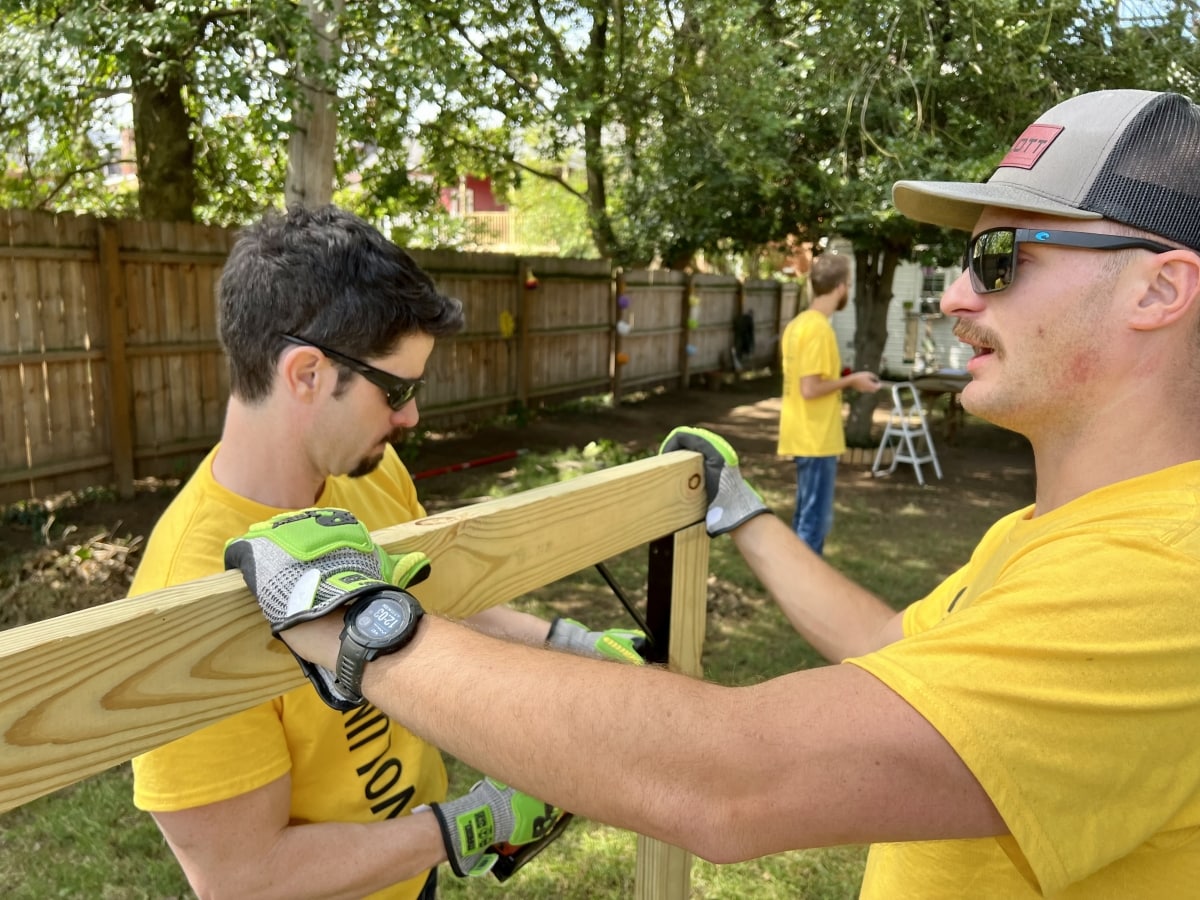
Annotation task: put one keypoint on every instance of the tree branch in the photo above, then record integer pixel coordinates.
(554, 177)
(562, 59)
(65, 178)
(514, 77)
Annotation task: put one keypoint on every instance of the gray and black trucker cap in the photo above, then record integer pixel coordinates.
(1128, 156)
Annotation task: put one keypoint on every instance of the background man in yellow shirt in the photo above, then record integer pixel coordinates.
(810, 419)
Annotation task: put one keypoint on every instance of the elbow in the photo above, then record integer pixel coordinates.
(720, 853)
(209, 890)
(725, 834)
(720, 847)
(214, 886)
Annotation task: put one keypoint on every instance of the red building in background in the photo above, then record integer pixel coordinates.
(473, 195)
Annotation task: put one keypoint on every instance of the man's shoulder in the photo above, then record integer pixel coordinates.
(188, 540)
(810, 319)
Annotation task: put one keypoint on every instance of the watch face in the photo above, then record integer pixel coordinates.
(382, 620)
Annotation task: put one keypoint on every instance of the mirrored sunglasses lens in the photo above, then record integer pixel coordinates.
(992, 261)
(401, 394)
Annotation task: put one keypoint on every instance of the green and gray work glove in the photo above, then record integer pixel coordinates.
(623, 644)
(488, 815)
(731, 501)
(306, 564)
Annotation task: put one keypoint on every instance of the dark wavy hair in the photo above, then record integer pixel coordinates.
(326, 275)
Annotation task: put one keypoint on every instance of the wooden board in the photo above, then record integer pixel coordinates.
(91, 689)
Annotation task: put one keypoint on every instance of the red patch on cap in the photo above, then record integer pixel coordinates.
(1029, 147)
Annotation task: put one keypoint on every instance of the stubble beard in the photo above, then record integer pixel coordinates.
(369, 464)
(366, 466)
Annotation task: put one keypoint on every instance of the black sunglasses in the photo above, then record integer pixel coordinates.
(991, 255)
(398, 391)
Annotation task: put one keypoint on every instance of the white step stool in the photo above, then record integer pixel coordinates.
(907, 434)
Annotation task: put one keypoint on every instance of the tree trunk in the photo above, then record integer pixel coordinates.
(165, 151)
(311, 147)
(593, 146)
(875, 270)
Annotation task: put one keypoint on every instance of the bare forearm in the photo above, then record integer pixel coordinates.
(510, 624)
(838, 617)
(337, 859)
(814, 386)
(512, 710)
(730, 773)
(244, 848)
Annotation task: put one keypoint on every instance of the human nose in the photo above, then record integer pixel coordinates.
(960, 297)
(406, 416)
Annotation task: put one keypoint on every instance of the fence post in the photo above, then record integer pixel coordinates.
(685, 315)
(614, 341)
(676, 598)
(112, 290)
(524, 353)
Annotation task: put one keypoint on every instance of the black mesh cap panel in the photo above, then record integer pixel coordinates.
(1151, 178)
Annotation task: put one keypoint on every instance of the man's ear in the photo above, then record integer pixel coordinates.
(300, 370)
(1172, 290)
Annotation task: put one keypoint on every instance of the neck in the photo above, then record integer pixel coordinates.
(262, 457)
(1130, 436)
(826, 304)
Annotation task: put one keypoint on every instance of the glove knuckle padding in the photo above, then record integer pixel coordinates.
(275, 591)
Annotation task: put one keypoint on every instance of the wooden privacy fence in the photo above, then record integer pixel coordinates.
(110, 369)
(91, 689)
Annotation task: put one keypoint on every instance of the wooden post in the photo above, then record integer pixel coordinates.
(740, 307)
(676, 606)
(684, 359)
(112, 289)
(614, 348)
(524, 351)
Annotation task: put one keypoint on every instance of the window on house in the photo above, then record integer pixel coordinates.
(933, 282)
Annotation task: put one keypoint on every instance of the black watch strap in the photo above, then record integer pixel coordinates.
(357, 649)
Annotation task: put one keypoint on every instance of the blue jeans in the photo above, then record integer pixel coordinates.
(815, 478)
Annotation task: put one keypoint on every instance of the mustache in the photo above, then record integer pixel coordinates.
(978, 335)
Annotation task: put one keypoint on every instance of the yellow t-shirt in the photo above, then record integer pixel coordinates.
(1062, 663)
(810, 427)
(356, 766)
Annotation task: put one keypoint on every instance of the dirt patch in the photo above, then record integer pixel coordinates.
(70, 552)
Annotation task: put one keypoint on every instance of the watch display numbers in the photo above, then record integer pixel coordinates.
(380, 620)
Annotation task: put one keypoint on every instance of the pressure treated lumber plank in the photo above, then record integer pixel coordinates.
(89, 690)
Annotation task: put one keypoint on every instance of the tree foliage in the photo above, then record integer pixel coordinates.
(701, 127)
(193, 78)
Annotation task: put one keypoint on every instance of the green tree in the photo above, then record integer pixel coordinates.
(200, 110)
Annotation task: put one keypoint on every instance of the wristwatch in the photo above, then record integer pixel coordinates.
(376, 624)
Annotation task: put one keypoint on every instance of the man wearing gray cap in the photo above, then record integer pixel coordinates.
(1030, 728)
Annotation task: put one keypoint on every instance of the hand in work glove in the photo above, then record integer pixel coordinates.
(623, 644)
(731, 501)
(490, 813)
(306, 564)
